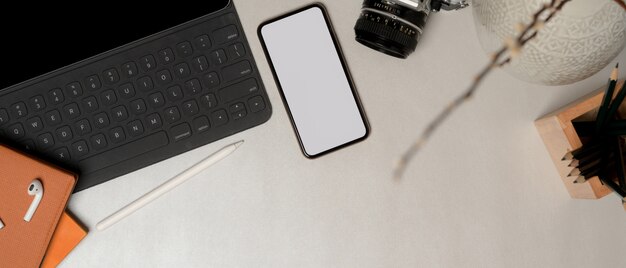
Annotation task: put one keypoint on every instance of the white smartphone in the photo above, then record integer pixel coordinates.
(313, 80)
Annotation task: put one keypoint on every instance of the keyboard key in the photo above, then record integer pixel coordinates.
(53, 117)
(236, 71)
(184, 49)
(218, 57)
(124, 152)
(202, 42)
(219, 118)
(98, 142)
(200, 64)
(201, 124)
(117, 135)
(4, 117)
(45, 141)
(138, 107)
(129, 69)
(18, 110)
(79, 149)
(119, 113)
(34, 124)
(236, 51)
(182, 70)
(211, 80)
(193, 87)
(74, 90)
(111, 76)
(172, 115)
(145, 83)
(164, 77)
(208, 101)
(153, 121)
(256, 104)
(62, 154)
(37, 103)
(166, 56)
(180, 132)
(239, 90)
(237, 107)
(71, 111)
(174, 93)
(190, 108)
(108, 97)
(226, 34)
(16, 131)
(135, 128)
(101, 120)
(147, 63)
(64, 133)
(55, 96)
(83, 127)
(239, 115)
(156, 100)
(126, 91)
(90, 104)
(93, 82)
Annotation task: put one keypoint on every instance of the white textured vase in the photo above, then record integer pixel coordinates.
(579, 41)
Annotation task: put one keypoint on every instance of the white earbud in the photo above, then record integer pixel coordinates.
(36, 189)
(1, 225)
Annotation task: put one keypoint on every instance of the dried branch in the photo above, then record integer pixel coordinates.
(504, 55)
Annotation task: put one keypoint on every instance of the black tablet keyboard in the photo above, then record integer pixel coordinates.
(139, 104)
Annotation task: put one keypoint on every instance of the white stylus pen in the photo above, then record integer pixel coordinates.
(167, 186)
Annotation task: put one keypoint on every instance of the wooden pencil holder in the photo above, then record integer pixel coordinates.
(559, 136)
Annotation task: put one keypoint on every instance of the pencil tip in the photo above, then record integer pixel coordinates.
(615, 72)
(580, 179)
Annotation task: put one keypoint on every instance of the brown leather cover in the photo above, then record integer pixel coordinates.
(66, 237)
(24, 244)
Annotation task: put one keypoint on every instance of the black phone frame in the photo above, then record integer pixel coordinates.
(343, 64)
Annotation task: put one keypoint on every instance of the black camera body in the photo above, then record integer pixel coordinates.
(394, 27)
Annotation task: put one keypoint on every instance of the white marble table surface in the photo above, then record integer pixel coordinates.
(483, 193)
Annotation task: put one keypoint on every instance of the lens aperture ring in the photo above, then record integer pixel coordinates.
(392, 30)
(415, 17)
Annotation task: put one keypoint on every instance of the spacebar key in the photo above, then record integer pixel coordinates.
(123, 153)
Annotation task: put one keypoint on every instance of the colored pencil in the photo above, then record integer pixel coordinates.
(617, 102)
(608, 96)
(588, 158)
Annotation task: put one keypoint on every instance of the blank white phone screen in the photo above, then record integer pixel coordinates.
(314, 84)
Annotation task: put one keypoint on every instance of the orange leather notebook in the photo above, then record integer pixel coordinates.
(22, 243)
(66, 237)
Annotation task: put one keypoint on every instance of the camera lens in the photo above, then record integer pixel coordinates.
(390, 27)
